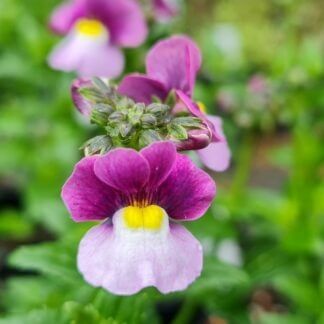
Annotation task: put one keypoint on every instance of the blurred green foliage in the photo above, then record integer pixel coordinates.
(269, 204)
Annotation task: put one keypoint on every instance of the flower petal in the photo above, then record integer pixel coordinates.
(64, 16)
(80, 103)
(217, 155)
(123, 169)
(123, 18)
(141, 88)
(126, 262)
(188, 191)
(174, 62)
(164, 9)
(85, 196)
(89, 56)
(161, 156)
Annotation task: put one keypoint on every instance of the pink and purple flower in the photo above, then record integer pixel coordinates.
(140, 242)
(96, 30)
(164, 9)
(172, 66)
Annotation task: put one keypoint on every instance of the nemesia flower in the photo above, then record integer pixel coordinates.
(140, 197)
(172, 65)
(164, 9)
(95, 31)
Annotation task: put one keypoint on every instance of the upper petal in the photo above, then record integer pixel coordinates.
(123, 18)
(142, 88)
(85, 196)
(88, 56)
(174, 62)
(187, 192)
(161, 156)
(123, 169)
(64, 16)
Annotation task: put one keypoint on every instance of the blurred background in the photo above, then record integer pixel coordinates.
(263, 73)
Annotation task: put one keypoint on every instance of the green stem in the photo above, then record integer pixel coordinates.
(243, 167)
(186, 312)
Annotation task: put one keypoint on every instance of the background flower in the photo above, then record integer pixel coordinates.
(95, 31)
(172, 65)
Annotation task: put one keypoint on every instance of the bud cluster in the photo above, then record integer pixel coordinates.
(130, 124)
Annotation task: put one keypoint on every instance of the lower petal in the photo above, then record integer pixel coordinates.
(125, 261)
(88, 57)
(216, 156)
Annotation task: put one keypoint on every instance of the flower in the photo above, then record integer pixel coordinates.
(96, 29)
(164, 9)
(172, 66)
(140, 242)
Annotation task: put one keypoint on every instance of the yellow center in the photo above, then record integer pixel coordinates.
(202, 107)
(149, 217)
(89, 27)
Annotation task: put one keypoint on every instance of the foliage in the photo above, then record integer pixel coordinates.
(275, 220)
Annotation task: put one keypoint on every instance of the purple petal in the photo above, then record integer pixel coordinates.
(85, 196)
(161, 156)
(164, 9)
(123, 169)
(124, 268)
(80, 103)
(89, 57)
(174, 62)
(217, 155)
(64, 16)
(189, 105)
(123, 18)
(141, 88)
(188, 191)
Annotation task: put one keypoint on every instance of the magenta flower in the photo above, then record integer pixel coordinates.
(164, 9)
(172, 65)
(140, 242)
(96, 30)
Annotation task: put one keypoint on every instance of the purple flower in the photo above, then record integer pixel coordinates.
(172, 65)
(96, 29)
(140, 242)
(164, 9)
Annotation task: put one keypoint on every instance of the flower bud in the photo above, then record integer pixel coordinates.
(197, 139)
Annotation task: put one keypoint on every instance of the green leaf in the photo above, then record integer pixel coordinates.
(218, 276)
(48, 316)
(53, 259)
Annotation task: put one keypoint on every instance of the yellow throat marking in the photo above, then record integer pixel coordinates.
(149, 217)
(89, 27)
(202, 107)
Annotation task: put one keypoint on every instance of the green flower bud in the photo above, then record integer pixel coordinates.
(148, 120)
(148, 136)
(99, 144)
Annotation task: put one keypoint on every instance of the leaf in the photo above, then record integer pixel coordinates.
(218, 276)
(54, 259)
(48, 316)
